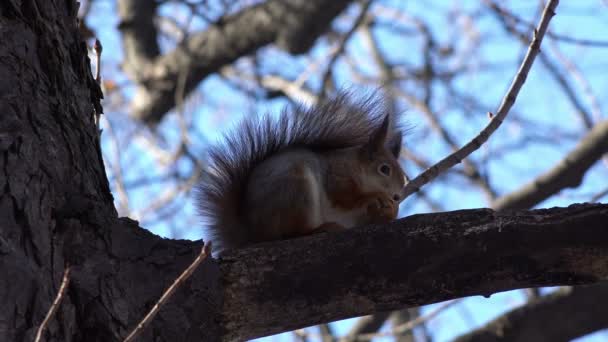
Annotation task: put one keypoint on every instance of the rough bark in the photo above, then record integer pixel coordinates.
(519, 324)
(293, 25)
(47, 156)
(414, 261)
(56, 207)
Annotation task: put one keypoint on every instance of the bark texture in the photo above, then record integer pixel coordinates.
(56, 207)
(414, 261)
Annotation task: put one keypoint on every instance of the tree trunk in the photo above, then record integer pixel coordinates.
(56, 207)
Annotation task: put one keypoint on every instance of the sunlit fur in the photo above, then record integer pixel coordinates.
(264, 172)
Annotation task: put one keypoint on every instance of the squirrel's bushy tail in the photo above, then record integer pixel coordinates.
(343, 121)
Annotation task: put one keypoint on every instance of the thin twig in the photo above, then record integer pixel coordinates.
(98, 48)
(507, 102)
(205, 252)
(341, 46)
(559, 76)
(408, 326)
(64, 285)
(326, 334)
(599, 196)
(300, 335)
(563, 38)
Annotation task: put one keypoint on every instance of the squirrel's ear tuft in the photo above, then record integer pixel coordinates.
(377, 141)
(394, 145)
(378, 138)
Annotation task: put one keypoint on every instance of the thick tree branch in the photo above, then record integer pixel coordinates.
(418, 260)
(518, 325)
(293, 25)
(139, 35)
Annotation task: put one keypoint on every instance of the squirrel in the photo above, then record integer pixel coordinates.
(326, 168)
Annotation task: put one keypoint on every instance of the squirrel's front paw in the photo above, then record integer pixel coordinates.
(382, 209)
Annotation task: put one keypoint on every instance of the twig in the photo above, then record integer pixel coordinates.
(408, 326)
(205, 252)
(300, 335)
(567, 173)
(341, 46)
(291, 89)
(98, 48)
(596, 111)
(507, 102)
(599, 196)
(563, 38)
(64, 285)
(559, 77)
(326, 334)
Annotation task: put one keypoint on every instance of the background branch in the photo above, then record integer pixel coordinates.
(293, 25)
(581, 311)
(568, 173)
(506, 104)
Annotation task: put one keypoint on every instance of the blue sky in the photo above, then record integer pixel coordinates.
(540, 109)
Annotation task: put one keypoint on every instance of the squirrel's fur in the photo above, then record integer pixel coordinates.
(340, 123)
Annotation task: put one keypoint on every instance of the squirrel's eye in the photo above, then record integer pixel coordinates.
(384, 169)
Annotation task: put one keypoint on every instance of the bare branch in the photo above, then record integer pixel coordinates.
(567, 173)
(554, 71)
(410, 325)
(326, 333)
(341, 46)
(293, 25)
(579, 313)
(65, 281)
(205, 252)
(139, 35)
(366, 325)
(563, 38)
(507, 102)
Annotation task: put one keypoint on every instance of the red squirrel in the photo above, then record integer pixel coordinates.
(319, 169)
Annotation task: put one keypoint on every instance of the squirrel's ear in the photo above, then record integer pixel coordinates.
(377, 141)
(394, 145)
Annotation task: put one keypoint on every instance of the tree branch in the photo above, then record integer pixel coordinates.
(293, 25)
(422, 259)
(139, 35)
(580, 312)
(205, 252)
(568, 173)
(518, 324)
(503, 110)
(366, 325)
(62, 288)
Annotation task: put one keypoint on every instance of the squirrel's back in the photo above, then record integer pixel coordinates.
(341, 122)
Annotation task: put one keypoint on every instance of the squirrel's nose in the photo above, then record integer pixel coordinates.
(396, 197)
